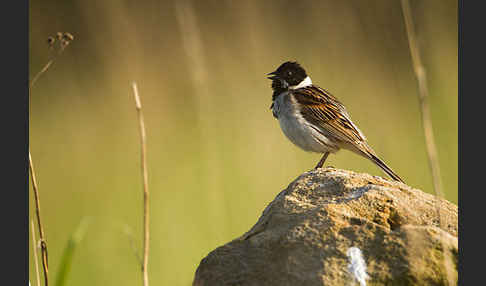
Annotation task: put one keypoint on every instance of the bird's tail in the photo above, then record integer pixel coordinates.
(385, 168)
(370, 154)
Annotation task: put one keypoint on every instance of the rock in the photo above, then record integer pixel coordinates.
(336, 227)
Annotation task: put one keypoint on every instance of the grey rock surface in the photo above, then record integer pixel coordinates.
(336, 227)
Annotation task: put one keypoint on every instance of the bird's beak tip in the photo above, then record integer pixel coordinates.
(272, 75)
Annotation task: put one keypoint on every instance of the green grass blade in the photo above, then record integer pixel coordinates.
(67, 255)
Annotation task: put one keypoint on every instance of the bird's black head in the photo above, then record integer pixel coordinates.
(290, 73)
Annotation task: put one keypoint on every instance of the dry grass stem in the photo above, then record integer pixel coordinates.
(64, 39)
(36, 260)
(146, 230)
(423, 97)
(425, 111)
(42, 71)
(42, 239)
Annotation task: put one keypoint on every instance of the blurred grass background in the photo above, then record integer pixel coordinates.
(216, 155)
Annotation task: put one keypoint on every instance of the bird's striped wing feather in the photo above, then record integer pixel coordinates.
(322, 109)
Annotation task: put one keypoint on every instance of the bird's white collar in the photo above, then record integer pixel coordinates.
(306, 82)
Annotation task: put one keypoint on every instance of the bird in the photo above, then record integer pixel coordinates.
(314, 119)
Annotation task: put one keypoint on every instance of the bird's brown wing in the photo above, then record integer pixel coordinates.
(322, 109)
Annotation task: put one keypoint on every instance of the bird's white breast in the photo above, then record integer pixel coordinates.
(302, 133)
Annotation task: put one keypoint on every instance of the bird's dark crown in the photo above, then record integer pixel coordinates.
(292, 73)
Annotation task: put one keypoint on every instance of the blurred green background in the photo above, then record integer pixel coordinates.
(216, 155)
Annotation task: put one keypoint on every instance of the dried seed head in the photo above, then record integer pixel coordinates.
(51, 41)
(64, 43)
(68, 37)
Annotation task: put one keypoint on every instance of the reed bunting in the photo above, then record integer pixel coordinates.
(315, 120)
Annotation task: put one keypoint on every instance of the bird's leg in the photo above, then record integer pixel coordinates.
(321, 162)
